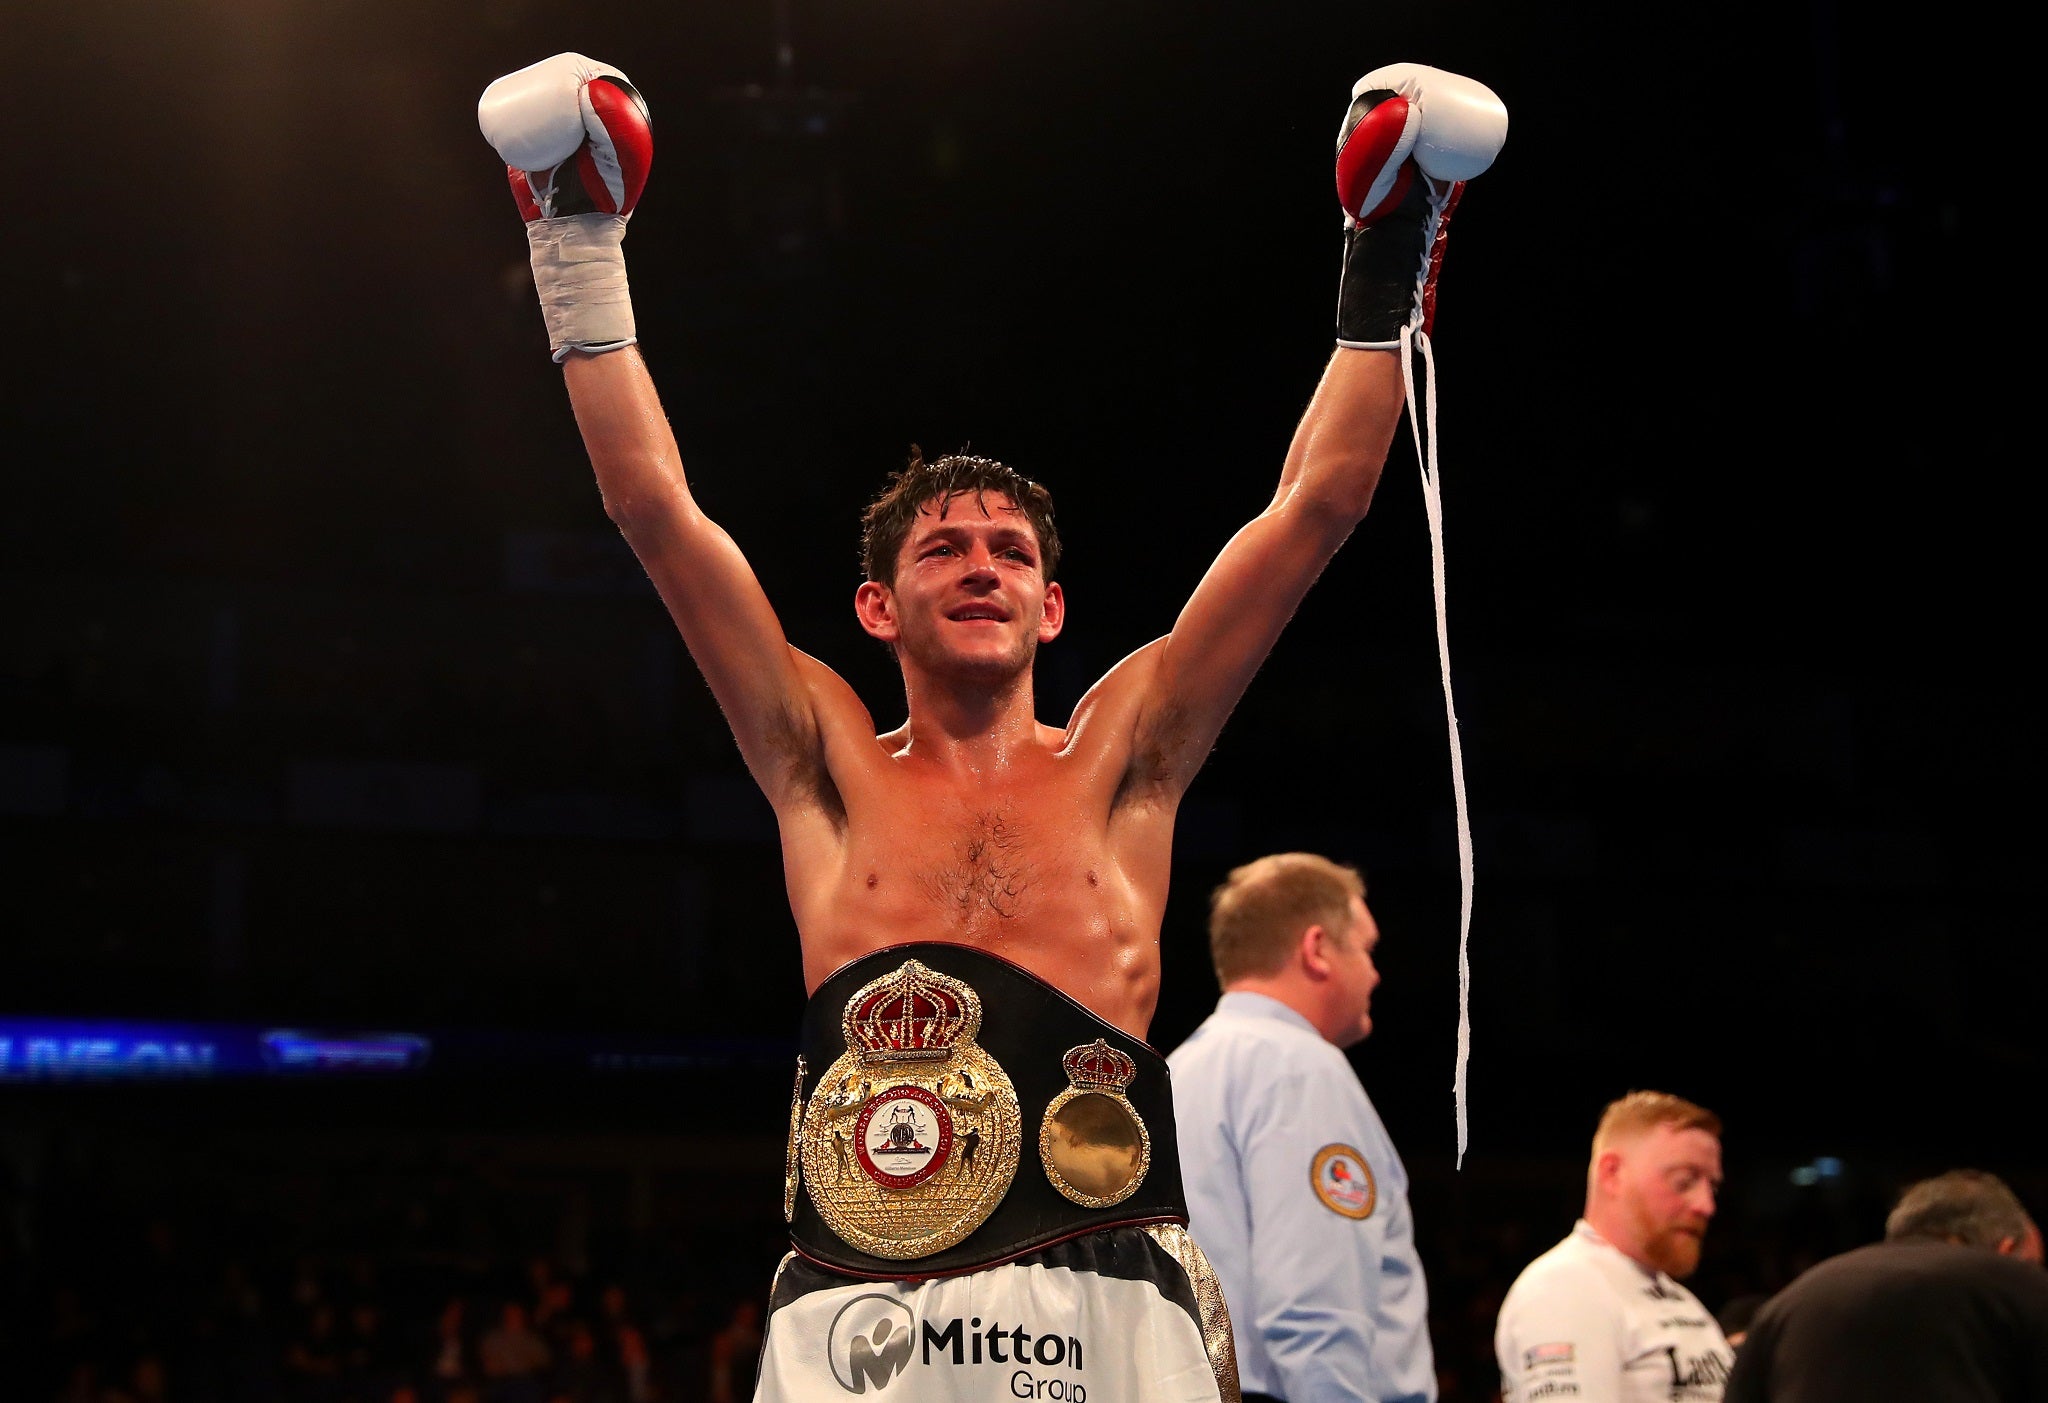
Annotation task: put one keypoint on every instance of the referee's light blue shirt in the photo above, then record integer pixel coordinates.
(1326, 1305)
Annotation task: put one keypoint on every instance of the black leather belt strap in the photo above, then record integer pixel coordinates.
(1026, 1025)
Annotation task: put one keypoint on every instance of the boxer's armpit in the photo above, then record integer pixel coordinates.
(798, 748)
(1160, 755)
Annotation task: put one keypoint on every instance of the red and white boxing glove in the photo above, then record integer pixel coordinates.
(577, 142)
(1412, 138)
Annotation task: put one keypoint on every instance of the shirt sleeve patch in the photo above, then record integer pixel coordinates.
(1546, 1354)
(1343, 1181)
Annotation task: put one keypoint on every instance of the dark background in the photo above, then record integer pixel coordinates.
(329, 697)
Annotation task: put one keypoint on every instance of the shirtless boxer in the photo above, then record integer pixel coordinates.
(977, 892)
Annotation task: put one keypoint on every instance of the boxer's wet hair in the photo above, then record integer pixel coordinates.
(886, 523)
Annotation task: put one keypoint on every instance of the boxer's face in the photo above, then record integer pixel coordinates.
(1669, 1178)
(970, 599)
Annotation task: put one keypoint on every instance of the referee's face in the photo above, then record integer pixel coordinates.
(1357, 976)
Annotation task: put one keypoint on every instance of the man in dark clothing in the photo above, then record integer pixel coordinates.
(1951, 1307)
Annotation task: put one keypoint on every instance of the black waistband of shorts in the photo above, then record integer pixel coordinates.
(1027, 1026)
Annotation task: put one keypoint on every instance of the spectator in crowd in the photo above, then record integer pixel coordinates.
(75, 1331)
(81, 1384)
(627, 1343)
(148, 1379)
(581, 1373)
(554, 1313)
(515, 1360)
(1601, 1317)
(540, 1276)
(366, 1362)
(637, 1362)
(160, 1277)
(312, 1361)
(734, 1351)
(452, 1364)
(247, 1343)
(1952, 1307)
(1294, 1188)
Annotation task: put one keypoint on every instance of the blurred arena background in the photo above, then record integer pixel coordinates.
(388, 919)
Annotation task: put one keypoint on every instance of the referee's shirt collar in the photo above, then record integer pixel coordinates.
(1245, 1004)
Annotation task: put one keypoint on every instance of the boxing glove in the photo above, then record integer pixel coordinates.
(1412, 137)
(577, 142)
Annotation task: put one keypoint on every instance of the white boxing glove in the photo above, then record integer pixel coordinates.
(577, 142)
(1411, 139)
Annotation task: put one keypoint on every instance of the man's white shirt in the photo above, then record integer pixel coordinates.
(1585, 1323)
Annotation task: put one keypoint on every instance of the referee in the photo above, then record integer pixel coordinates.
(1294, 1189)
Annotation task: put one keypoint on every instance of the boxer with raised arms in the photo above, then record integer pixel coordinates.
(978, 893)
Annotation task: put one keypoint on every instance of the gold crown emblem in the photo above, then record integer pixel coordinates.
(1097, 1066)
(913, 1015)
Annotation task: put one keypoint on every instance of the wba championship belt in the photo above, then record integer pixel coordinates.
(924, 1068)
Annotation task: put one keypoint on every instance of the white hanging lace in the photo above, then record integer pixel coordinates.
(1413, 340)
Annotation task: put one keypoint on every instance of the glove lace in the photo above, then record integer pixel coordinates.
(1413, 341)
(1418, 315)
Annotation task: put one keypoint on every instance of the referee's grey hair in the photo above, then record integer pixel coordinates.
(1964, 1205)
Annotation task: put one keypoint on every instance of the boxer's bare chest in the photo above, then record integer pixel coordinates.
(1026, 863)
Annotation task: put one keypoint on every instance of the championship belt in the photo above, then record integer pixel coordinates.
(915, 1138)
(906, 1154)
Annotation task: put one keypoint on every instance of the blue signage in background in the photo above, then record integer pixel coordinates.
(290, 1050)
(59, 1049)
(49, 1049)
(100, 1050)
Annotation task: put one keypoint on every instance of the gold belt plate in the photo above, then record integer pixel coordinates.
(913, 1134)
(1094, 1145)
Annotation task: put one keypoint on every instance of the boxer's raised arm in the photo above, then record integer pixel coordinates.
(711, 591)
(1253, 587)
(578, 143)
(1410, 139)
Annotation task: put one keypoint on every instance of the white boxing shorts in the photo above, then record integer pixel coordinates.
(1126, 1315)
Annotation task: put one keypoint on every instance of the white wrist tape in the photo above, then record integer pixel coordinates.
(579, 269)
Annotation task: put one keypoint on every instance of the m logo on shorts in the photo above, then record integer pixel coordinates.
(870, 1342)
